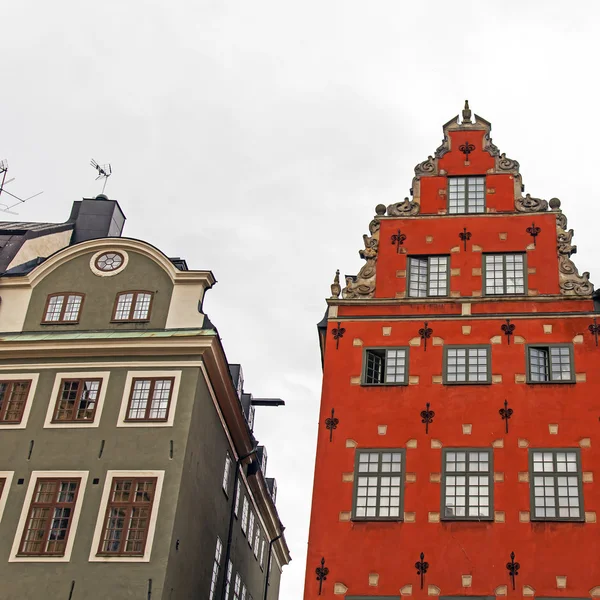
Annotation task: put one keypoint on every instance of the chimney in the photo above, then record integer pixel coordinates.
(96, 218)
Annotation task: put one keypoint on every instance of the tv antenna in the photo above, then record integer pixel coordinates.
(6, 206)
(104, 172)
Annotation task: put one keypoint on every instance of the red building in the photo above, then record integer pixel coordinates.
(462, 366)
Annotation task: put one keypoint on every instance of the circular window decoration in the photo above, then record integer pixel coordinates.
(109, 261)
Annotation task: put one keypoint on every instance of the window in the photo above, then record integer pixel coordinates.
(378, 487)
(5, 481)
(63, 308)
(550, 364)
(262, 554)
(467, 485)
(504, 274)
(237, 587)
(469, 364)
(49, 518)
(215, 570)
(256, 539)
(109, 261)
(245, 514)
(133, 306)
(149, 399)
(77, 400)
(428, 276)
(466, 195)
(243, 592)
(556, 485)
(228, 579)
(226, 472)
(236, 507)
(386, 366)
(251, 528)
(127, 517)
(13, 397)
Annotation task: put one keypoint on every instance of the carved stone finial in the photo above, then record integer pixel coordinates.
(336, 288)
(380, 209)
(466, 113)
(554, 203)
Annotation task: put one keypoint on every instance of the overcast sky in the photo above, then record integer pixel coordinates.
(254, 138)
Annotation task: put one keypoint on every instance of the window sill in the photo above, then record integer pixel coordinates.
(60, 322)
(466, 520)
(395, 384)
(467, 382)
(108, 555)
(130, 320)
(150, 421)
(556, 520)
(377, 520)
(561, 382)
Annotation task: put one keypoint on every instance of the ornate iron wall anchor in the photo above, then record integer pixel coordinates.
(338, 332)
(398, 239)
(506, 413)
(322, 573)
(533, 231)
(466, 149)
(465, 236)
(331, 423)
(425, 333)
(513, 568)
(427, 417)
(422, 567)
(508, 329)
(595, 330)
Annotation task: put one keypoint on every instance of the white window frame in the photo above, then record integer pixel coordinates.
(35, 475)
(33, 377)
(245, 510)
(256, 541)
(261, 561)
(131, 375)
(226, 474)
(238, 491)
(8, 477)
(103, 375)
(237, 586)
(216, 568)
(228, 579)
(250, 534)
(110, 475)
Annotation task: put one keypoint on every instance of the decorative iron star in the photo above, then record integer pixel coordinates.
(595, 330)
(506, 413)
(466, 149)
(322, 573)
(425, 333)
(331, 423)
(533, 231)
(513, 568)
(398, 239)
(338, 332)
(508, 329)
(465, 236)
(422, 567)
(427, 417)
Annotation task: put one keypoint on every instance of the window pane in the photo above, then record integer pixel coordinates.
(139, 398)
(142, 306)
(466, 195)
(72, 308)
(395, 366)
(123, 309)
(467, 365)
(13, 396)
(467, 479)
(54, 308)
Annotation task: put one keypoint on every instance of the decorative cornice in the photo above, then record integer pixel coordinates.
(571, 283)
(530, 205)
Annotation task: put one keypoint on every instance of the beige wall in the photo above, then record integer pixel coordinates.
(41, 246)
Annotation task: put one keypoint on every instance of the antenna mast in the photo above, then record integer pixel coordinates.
(5, 206)
(104, 172)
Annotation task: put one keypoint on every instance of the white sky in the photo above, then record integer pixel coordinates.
(255, 139)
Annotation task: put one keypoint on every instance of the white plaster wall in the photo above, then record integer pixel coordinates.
(183, 311)
(41, 246)
(13, 308)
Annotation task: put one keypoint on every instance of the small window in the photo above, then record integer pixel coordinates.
(49, 518)
(228, 579)
(244, 524)
(550, 364)
(133, 306)
(243, 592)
(262, 554)
(150, 399)
(386, 366)
(428, 276)
(467, 484)
(378, 485)
(555, 485)
(237, 587)
(470, 364)
(256, 539)
(109, 261)
(63, 308)
(504, 274)
(127, 517)
(250, 528)
(13, 397)
(466, 195)
(215, 570)
(237, 499)
(77, 400)
(226, 472)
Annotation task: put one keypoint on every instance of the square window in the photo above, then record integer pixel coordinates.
(467, 364)
(133, 306)
(550, 364)
(62, 308)
(13, 399)
(428, 276)
(504, 274)
(466, 195)
(150, 399)
(77, 400)
(385, 366)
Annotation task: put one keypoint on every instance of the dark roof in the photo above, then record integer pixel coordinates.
(23, 269)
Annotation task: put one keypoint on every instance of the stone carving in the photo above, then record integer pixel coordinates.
(363, 284)
(443, 148)
(336, 288)
(406, 208)
(489, 146)
(506, 164)
(427, 167)
(529, 204)
(570, 281)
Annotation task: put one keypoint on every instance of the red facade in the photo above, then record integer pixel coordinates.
(407, 331)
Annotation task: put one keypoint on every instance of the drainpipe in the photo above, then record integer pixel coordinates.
(236, 477)
(269, 561)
